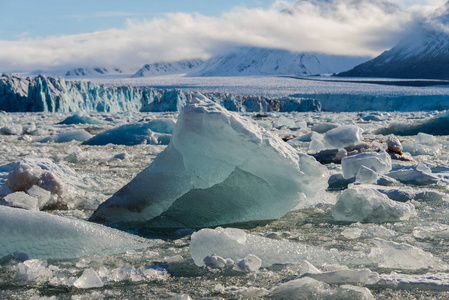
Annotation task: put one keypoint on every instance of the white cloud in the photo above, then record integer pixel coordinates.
(349, 27)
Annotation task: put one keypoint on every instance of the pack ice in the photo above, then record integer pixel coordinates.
(43, 235)
(218, 169)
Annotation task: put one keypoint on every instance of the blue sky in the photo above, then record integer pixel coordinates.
(40, 18)
(63, 34)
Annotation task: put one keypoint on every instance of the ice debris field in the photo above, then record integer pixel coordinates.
(185, 195)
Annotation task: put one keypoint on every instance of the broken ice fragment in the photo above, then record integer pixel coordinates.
(217, 262)
(394, 145)
(380, 162)
(343, 136)
(218, 169)
(251, 263)
(403, 256)
(359, 204)
(21, 200)
(89, 279)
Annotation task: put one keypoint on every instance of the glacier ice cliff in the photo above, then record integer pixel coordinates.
(219, 168)
(43, 235)
(55, 94)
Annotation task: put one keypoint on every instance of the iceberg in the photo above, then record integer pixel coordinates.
(80, 118)
(218, 169)
(154, 132)
(42, 235)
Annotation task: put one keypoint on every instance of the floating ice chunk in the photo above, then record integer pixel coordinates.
(236, 244)
(308, 288)
(12, 129)
(414, 175)
(218, 169)
(42, 235)
(308, 268)
(122, 156)
(434, 232)
(393, 144)
(366, 175)
(32, 271)
(428, 281)
(341, 276)
(343, 136)
(135, 134)
(43, 196)
(380, 162)
(422, 149)
(403, 256)
(353, 292)
(303, 288)
(218, 262)
(22, 200)
(80, 118)
(359, 204)
(79, 135)
(424, 138)
(251, 263)
(26, 176)
(89, 279)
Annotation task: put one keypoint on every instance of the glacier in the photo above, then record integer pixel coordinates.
(218, 169)
(55, 94)
(249, 94)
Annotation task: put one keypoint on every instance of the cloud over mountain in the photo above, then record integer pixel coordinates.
(342, 27)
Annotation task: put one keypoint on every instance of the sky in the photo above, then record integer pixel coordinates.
(55, 34)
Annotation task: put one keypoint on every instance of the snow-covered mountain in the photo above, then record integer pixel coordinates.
(98, 71)
(169, 68)
(87, 72)
(252, 61)
(423, 54)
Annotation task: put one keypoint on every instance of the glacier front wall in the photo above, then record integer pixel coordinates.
(55, 94)
(50, 94)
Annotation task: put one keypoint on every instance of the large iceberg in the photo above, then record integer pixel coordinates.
(218, 169)
(43, 235)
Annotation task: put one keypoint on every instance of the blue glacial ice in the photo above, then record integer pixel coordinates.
(80, 118)
(43, 235)
(219, 168)
(154, 132)
(50, 94)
